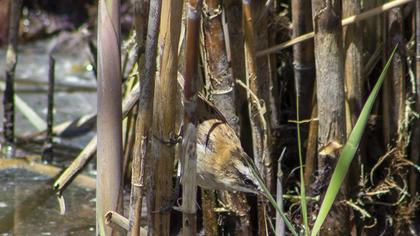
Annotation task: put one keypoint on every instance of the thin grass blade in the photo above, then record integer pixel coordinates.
(303, 202)
(273, 203)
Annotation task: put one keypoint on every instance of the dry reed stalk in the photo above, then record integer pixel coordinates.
(81, 160)
(395, 129)
(116, 220)
(141, 16)
(109, 154)
(265, 79)
(221, 91)
(259, 127)
(48, 147)
(218, 70)
(210, 220)
(232, 21)
(234, 41)
(415, 145)
(235, 49)
(113, 219)
(189, 154)
(311, 148)
(394, 88)
(347, 21)
(189, 181)
(262, 87)
(354, 84)
(81, 180)
(280, 226)
(164, 108)
(303, 60)
(329, 58)
(144, 117)
(11, 61)
(70, 128)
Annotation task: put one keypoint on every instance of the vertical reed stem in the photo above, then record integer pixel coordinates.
(164, 110)
(189, 193)
(331, 110)
(48, 147)
(415, 145)
(144, 118)
(11, 61)
(109, 153)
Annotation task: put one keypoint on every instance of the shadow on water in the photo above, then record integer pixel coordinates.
(28, 206)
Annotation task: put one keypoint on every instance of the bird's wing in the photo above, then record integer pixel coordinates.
(207, 110)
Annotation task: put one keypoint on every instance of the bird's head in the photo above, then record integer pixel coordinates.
(244, 173)
(222, 162)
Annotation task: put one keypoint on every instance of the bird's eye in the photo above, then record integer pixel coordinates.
(249, 182)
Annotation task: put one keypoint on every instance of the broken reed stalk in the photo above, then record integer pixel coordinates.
(144, 118)
(81, 180)
(189, 155)
(68, 129)
(47, 155)
(81, 160)
(75, 167)
(347, 21)
(329, 58)
(11, 61)
(164, 110)
(109, 154)
(29, 113)
(114, 219)
(280, 226)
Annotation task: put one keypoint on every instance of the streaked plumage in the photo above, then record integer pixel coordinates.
(222, 163)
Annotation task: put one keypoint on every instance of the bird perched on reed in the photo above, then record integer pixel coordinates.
(222, 164)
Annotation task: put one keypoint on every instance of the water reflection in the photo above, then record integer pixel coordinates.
(29, 206)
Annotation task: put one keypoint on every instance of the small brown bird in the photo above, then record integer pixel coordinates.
(222, 164)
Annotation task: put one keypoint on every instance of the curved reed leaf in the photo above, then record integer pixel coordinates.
(348, 151)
